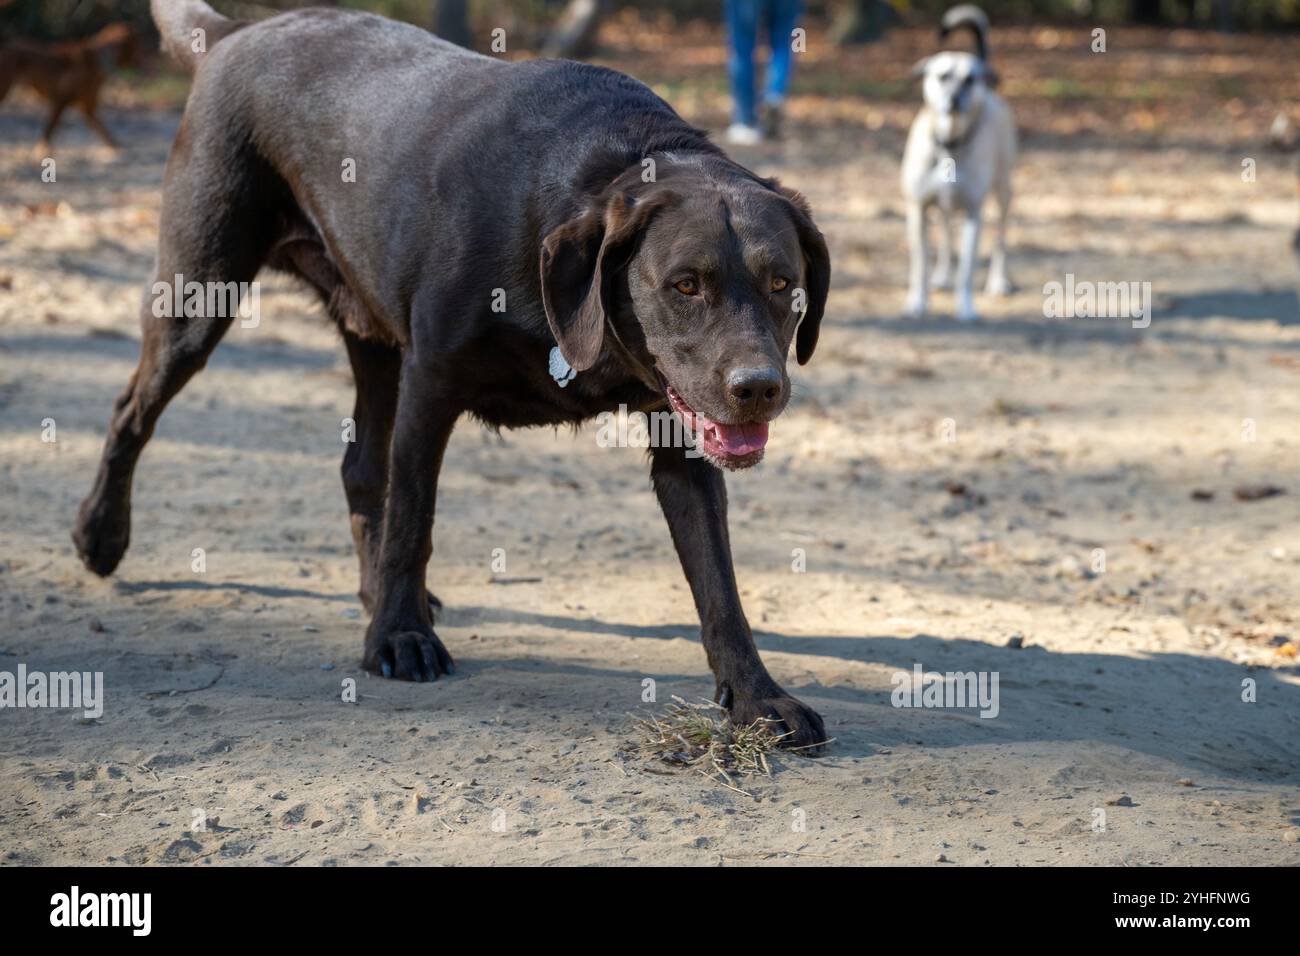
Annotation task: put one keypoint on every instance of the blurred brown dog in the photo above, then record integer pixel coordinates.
(69, 74)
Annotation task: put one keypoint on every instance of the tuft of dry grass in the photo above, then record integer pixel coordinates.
(702, 736)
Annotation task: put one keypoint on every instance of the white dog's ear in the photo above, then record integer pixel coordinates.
(918, 71)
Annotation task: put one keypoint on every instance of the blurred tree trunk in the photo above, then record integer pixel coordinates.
(451, 22)
(575, 34)
(1223, 16)
(1145, 11)
(862, 21)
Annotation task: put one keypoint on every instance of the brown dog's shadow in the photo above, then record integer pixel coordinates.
(1186, 711)
(142, 587)
(1177, 707)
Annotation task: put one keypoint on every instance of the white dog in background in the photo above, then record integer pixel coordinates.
(962, 146)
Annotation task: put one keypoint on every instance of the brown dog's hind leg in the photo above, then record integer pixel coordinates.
(376, 368)
(171, 352)
(47, 132)
(96, 124)
(210, 231)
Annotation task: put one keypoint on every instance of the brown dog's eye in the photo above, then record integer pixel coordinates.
(779, 284)
(687, 287)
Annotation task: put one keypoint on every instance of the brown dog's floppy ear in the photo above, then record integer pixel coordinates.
(817, 275)
(569, 256)
(578, 263)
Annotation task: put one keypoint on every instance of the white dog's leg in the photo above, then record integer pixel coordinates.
(998, 284)
(970, 243)
(942, 278)
(916, 283)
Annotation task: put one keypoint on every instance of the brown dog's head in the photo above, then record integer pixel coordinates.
(705, 275)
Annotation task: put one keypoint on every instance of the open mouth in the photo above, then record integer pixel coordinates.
(726, 445)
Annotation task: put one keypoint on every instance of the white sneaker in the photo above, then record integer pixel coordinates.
(740, 134)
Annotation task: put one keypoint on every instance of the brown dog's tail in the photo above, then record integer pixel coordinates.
(189, 28)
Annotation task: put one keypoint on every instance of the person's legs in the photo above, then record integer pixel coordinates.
(742, 31)
(782, 18)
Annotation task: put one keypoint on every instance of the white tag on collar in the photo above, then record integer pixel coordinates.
(561, 370)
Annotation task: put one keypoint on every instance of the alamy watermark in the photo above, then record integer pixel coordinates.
(75, 908)
(180, 299)
(71, 689)
(954, 689)
(1098, 300)
(624, 429)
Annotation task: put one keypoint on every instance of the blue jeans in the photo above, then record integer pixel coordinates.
(743, 18)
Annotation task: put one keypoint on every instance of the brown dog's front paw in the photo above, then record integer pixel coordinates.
(407, 655)
(799, 725)
(101, 537)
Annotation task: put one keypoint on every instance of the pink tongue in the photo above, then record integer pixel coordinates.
(740, 439)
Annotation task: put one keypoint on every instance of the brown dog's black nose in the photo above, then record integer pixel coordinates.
(754, 392)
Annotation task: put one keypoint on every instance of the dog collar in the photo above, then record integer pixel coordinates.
(563, 373)
(952, 146)
(647, 377)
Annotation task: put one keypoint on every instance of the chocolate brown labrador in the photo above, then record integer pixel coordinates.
(503, 221)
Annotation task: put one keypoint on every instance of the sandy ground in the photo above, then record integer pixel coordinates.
(223, 688)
